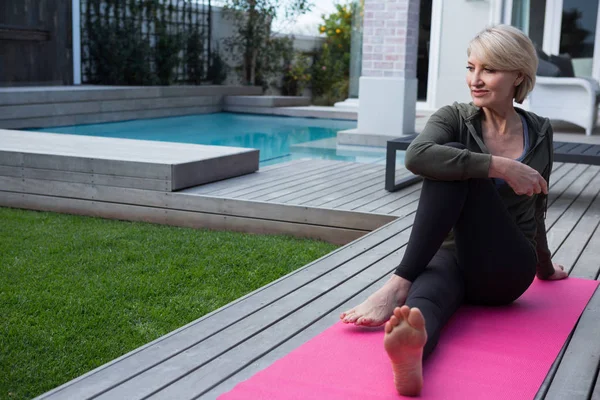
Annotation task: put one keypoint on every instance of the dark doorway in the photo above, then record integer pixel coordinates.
(423, 50)
(35, 42)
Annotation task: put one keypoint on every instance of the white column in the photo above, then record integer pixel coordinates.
(388, 85)
(76, 19)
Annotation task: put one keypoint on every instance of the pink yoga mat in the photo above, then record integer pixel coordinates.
(484, 353)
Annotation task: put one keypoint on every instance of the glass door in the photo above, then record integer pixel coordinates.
(578, 34)
(529, 16)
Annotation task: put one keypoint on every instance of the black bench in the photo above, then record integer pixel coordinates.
(394, 145)
(576, 153)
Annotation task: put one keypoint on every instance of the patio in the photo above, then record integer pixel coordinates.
(308, 198)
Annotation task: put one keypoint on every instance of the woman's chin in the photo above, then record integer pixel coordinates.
(478, 102)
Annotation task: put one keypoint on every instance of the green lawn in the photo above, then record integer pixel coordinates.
(77, 292)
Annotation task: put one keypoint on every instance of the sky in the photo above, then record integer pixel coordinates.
(307, 24)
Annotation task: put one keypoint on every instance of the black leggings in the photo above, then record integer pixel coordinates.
(493, 263)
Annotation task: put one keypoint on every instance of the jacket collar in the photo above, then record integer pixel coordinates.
(472, 115)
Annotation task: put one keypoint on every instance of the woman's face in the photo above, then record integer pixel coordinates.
(491, 88)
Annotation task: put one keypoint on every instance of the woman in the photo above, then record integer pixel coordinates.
(479, 234)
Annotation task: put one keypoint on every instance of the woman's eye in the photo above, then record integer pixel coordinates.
(491, 71)
(469, 68)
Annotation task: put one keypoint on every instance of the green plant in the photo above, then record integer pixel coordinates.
(272, 61)
(77, 292)
(168, 44)
(193, 59)
(217, 70)
(135, 42)
(118, 52)
(260, 52)
(296, 76)
(331, 68)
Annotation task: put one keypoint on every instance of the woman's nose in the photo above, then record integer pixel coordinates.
(476, 79)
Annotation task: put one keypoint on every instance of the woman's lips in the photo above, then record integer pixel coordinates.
(479, 93)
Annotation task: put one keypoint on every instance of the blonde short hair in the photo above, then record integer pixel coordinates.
(505, 48)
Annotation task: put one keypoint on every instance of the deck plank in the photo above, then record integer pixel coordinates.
(247, 180)
(583, 229)
(181, 163)
(278, 193)
(560, 170)
(588, 264)
(277, 177)
(284, 183)
(312, 192)
(146, 357)
(563, 182)
(251, 335)
(200, 381)
(379, 199)
(353, 191)
(596, 393)
(342, 188)
(365, 193)
(395, 207)
(577, 371)
(578, 204)
(573, 189)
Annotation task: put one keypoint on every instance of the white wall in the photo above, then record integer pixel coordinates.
(461, 21)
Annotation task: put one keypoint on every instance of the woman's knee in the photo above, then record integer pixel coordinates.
(456, 145)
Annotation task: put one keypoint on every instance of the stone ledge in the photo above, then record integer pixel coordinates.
(303, 112)
(95, 118)
(266, 101)
(70, 94)
(356, 138)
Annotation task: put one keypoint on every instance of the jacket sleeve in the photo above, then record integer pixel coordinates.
(427, 156)
(544, 268)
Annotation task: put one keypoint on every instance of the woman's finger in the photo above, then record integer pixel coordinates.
(544, 186)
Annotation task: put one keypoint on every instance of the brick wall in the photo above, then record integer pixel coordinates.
(390, 38)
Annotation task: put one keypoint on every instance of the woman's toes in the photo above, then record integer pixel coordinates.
(388, 327)
(405, 311)
(416, 319)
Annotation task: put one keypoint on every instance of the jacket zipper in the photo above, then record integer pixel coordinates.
(540, 139)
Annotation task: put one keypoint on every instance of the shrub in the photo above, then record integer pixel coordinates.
(331, 68)
(296, 75)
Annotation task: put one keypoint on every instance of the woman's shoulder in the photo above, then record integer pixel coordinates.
(457, 111)
(536, 122)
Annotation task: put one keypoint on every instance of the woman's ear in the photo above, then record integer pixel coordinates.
(520, 78)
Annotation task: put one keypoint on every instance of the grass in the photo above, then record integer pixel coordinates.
(77, 292)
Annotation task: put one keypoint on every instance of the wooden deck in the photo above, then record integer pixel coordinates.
(209, 356)
(111, 162)
(331, 200)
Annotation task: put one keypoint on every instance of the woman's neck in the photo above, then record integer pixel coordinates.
(501, 120)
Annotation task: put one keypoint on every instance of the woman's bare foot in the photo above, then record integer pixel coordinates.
(379, 306)
(404, 340)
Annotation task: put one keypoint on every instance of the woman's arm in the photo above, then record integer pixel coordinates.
(544, 267)
(427, 156)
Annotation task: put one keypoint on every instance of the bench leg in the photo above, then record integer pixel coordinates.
(390, 169)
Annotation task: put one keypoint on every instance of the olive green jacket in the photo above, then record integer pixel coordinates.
(462, 123)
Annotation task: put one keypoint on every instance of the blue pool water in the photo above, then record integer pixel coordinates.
(279, 139)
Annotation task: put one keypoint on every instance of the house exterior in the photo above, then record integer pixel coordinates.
(414, 52)
(556, 26)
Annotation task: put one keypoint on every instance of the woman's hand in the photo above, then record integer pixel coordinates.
(520, 177)
(559, 273)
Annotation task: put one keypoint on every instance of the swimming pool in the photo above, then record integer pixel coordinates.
(279, 139)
